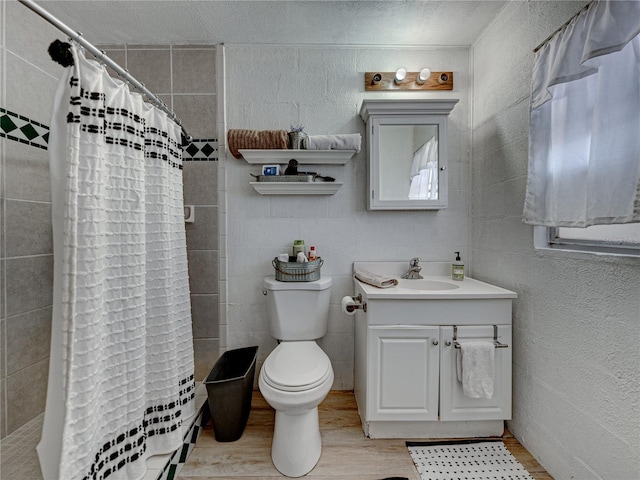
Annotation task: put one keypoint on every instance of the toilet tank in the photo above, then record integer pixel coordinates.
(298, 310)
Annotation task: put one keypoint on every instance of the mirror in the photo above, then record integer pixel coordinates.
(408, 162)
(407, 149)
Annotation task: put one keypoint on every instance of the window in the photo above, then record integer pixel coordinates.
(623, 239)
(584, 147)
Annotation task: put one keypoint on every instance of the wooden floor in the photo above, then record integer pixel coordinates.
(346, 453)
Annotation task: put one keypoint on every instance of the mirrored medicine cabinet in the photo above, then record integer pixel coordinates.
(407, 153)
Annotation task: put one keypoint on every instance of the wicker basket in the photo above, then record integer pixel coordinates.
(297, 272)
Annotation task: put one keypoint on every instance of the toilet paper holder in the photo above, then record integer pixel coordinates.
(357, 305)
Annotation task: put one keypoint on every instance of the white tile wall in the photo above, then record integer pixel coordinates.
(28, 79)
(272, 87)
(576, 329)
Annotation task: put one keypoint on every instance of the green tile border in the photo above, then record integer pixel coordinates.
(14, 126)
(179, 458)
(19, 128)
(201, 150)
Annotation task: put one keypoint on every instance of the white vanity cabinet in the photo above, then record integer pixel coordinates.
(403, 372)
(454, 405)
(406, 383)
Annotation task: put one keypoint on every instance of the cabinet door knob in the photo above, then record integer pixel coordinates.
(448, 343)
(435, 342)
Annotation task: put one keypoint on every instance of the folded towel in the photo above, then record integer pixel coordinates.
(255, 139)
(475, 366)
(379, 281)
(346, 141)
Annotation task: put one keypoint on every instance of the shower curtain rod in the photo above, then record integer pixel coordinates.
(102, 57)
(562, 27)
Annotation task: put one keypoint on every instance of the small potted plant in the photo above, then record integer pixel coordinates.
(296, 137)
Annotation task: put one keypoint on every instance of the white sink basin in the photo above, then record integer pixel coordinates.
(436, 284)
(424, 284)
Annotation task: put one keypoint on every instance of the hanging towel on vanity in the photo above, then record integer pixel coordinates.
(475, 365)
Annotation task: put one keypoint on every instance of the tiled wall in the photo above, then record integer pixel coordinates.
(28, 80)
(185, 78)
(576, 361)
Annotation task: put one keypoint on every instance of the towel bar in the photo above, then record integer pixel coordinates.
(496, 343)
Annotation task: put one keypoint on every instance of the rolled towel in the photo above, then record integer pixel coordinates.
(346, 141)
(380, 281)
(475, 366)
(255, 139)
(283, 257)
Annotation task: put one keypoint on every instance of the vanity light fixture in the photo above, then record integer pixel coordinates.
(424, 74)
(443, 78)
(425, 79)
(401, 74)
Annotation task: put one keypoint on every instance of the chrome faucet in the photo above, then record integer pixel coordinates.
(414, 269)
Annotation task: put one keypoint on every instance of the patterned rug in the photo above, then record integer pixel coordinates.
(469, 460)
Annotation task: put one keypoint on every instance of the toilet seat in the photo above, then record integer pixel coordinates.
(296, 366)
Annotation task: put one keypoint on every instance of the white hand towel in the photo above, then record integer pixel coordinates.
(475, 365)
(380, 281)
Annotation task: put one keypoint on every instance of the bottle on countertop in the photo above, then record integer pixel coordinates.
(457, 268)
(313, 254)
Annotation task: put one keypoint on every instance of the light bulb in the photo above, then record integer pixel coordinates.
(401, 74)
(425, 73)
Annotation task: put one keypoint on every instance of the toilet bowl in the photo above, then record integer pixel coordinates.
(294, 379)
(297, 375)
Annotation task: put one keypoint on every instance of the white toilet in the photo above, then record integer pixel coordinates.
(297, 374)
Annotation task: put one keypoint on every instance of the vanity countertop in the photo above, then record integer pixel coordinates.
(436, 281)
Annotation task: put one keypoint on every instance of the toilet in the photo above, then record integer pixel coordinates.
(297, 374)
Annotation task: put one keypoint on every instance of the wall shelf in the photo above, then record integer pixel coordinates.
(304, 157)
(296, 188)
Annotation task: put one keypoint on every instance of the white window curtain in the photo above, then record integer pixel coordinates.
(584, 130)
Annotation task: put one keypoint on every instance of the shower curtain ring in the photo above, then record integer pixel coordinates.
(101, 57)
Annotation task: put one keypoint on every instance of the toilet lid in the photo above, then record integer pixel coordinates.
(296, 366)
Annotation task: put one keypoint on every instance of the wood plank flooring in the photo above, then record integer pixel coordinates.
(346, 453)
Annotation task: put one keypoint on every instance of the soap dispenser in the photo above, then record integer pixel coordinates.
(457, 268)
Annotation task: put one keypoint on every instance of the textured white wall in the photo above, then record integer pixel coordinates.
(272, 87)
(577, 316)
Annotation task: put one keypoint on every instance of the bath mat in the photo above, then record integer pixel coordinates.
(472, 460)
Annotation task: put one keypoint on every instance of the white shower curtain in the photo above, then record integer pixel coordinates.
(121, 370)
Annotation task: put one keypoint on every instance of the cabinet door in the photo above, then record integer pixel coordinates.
(403, 373)
(407, 143)
(454, 405)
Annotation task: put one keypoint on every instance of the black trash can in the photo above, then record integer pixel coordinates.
(229, 388)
